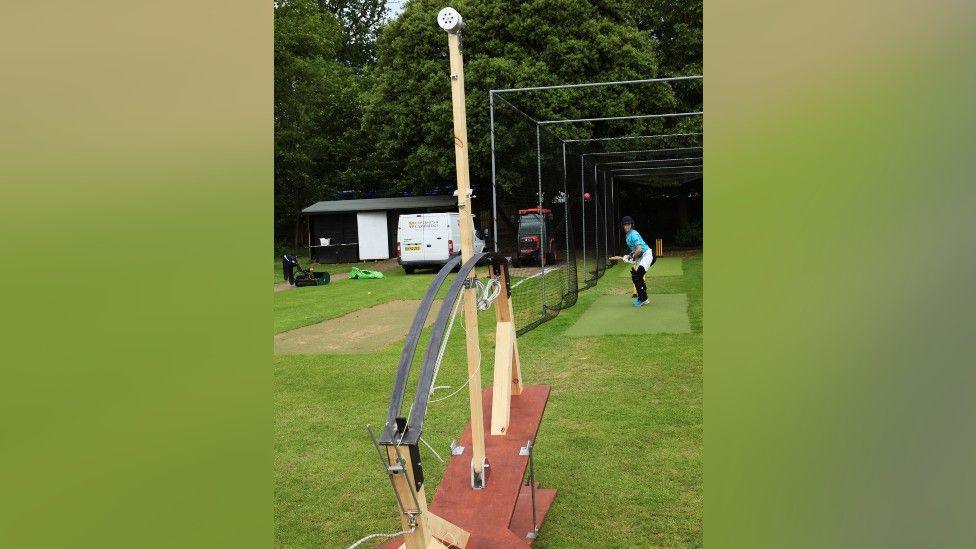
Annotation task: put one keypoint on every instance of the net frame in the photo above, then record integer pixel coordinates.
(608, 167)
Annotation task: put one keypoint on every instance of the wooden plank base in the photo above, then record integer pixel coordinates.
(500, 515)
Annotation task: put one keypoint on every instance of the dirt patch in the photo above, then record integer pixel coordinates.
(362, 331)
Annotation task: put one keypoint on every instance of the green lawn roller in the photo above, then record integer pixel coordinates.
(298, 276)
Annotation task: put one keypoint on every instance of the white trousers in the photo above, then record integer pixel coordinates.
(645, 260)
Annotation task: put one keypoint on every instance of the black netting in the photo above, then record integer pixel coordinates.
(535, 218)
(560, 189)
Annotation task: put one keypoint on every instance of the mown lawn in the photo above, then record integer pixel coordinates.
(621, 438)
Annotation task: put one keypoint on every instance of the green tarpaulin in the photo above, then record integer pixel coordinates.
(363, 273)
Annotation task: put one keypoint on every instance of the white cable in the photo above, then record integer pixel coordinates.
(489, 293)
(544, 272)
(437, 363)
(458, 390)
(431, 448)
(440, 352)
(371, 536)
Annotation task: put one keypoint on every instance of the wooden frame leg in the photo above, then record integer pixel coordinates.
(501, 395)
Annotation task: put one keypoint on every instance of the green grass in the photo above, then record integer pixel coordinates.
(615, 315)
(621, 438)
(303, 306)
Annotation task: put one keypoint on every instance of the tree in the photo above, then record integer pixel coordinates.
(506, 44)
(360, 20)
(316, 112)
(677, 27)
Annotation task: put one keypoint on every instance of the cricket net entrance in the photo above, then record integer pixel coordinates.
(567, 162)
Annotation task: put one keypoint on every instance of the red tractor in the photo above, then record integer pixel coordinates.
(534, 224)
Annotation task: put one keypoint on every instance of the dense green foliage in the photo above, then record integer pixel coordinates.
(505, 45)
(365, 106)
(316, 109)
(360, 19)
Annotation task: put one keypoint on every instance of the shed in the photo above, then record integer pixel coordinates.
(346, 231)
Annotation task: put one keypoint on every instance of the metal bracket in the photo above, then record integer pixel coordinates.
(479, 482)
(527, 451)
(456, 450)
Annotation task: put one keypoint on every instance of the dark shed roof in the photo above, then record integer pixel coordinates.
(395, 203)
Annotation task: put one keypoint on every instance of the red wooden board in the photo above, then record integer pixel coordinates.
(522, 518)
(500, 515)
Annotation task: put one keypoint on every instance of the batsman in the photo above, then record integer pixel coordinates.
(641, 256)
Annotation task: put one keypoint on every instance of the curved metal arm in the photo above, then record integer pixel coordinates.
(397, 430)
(410, 346)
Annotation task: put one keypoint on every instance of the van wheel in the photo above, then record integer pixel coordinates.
(515, 260)
(408, 270)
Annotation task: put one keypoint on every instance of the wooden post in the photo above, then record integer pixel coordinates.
(420, 538)
(507, 374)
(430, 527)
(659, 247)
(467, 251)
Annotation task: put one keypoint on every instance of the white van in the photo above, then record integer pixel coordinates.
(428, 240)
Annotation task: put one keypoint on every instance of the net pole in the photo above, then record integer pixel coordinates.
(583, 209)
(566, 215)
(600, 224)
(610, 221)
(596, 225)
(617, 216)
(613, 211)
(606, 224)
(494, 194)
(542, 226)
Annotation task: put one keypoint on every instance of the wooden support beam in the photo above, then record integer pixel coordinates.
(467, 251)
(419, 538)
(501, 396)
(448, 532)
(516, 364)
(430, 527)
(505, 313)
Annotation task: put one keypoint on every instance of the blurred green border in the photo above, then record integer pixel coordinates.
(136, 206)
(838, 299)
(136, 216)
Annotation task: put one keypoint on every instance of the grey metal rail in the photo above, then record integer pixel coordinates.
(399, 430)
(413, 337)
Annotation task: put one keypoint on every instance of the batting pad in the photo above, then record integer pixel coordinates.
(664, 266)
(615, 315)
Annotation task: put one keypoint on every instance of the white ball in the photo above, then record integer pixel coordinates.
(450, 20)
